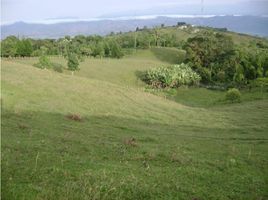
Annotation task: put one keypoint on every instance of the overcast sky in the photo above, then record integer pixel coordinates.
(34, 10)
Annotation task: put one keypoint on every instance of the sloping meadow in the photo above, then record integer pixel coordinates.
(73, 137)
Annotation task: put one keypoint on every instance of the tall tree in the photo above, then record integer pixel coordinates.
(116, 51)
(72, 62)
(9, 46)
(24, 48)
(210, 54)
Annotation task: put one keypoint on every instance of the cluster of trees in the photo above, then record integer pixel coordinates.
(218, 60)
(95, 46)
(12, 47)
(148, 38)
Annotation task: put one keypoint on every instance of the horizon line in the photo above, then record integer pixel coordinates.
(132, 17)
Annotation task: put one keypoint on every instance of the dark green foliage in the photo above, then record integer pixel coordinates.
(62, 44)
(126, 41)
(98, 50)
(173, 76)
(233, 95)
(73, 62)
(9, 46)
(211, 51)
(260, 83)
(205, 74)
(116, 51)
(218, 60)
(24, 48)
(45, 47)
(181, 24)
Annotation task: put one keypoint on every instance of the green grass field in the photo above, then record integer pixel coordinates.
(129, 143)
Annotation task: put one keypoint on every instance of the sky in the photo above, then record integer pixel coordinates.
(38, 10)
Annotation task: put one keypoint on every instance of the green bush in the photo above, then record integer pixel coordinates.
(43, 63)
(260, 82)
(73, 62)
(233, 95)
(205, 74)
(116, 50)
(172, 76)
(57, 67)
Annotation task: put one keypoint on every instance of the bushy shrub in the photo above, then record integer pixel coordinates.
(233, 95)
(116, 50)
(260, 82)
(205, 74)
(43, 63)
(172, 76)
(73, 62)
(57, 67)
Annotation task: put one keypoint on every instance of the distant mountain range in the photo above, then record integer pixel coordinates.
(253, 25)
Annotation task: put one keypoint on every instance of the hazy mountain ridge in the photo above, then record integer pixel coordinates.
(254, 25)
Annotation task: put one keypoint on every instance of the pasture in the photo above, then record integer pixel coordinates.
(101, 135)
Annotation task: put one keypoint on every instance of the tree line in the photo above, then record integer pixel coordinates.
(95, 46)
(111, 45)
(211, 53)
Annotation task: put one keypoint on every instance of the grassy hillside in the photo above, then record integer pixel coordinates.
(119, 71)
(170, 55)
(182, 34)
(126, 143)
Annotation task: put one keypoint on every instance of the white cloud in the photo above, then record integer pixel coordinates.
(33, 10)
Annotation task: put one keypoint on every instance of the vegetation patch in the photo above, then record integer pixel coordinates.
(260, 82)
(171, 77)
(57, 67)
(43, 63)
(218, 60)
(233, 95)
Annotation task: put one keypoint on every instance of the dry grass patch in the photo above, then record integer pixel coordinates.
(131, 142)
(74, 117)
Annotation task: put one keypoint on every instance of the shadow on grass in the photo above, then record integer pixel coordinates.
(141, 75)
(49, 156)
